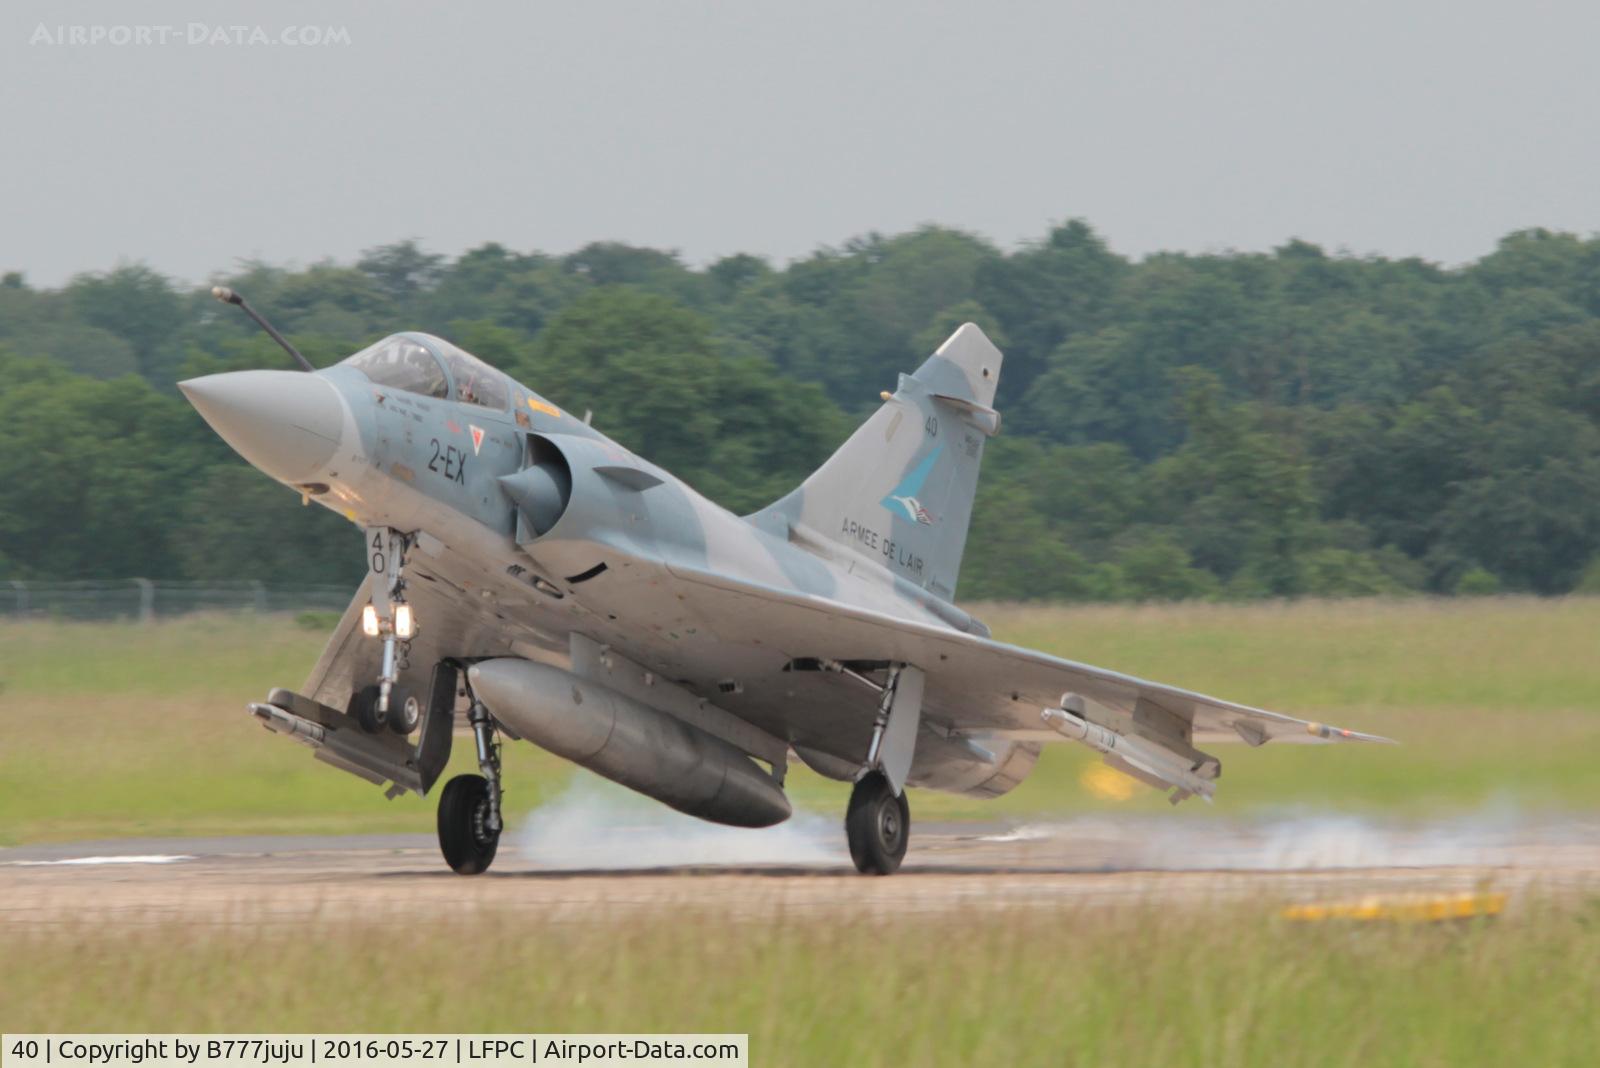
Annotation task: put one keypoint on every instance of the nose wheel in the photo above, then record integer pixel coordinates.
(878, 825)
(402, 715)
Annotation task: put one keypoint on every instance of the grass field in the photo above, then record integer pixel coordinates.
(1194, 986)
(119, 730)
(116, 729)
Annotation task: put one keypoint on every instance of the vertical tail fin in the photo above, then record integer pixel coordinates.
(900, 490)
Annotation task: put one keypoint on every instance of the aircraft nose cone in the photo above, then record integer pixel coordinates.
(287, 423)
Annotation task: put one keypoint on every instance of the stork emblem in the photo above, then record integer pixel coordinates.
(902, 500)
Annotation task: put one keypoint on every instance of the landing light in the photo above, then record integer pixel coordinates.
(404, 625)
(369, 621)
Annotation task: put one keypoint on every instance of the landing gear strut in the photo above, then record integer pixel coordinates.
(878, 821)
(389, 618)
(469, 809)
(878, 824)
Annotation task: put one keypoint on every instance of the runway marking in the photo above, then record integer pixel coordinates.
(1405, 908)
(147, 858)
(1020, 834)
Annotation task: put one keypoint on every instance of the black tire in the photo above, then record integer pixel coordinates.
(464, 839)
(364, 707)
(878, 825)
(405, 710)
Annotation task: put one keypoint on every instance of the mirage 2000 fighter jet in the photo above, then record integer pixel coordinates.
(529, 573)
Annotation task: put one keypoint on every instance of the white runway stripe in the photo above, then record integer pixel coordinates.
(147, 858)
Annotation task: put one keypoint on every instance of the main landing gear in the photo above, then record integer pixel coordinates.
(469, 809)
(878, 824)
(878, 821)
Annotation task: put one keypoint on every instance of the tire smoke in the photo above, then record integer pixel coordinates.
(596, 825)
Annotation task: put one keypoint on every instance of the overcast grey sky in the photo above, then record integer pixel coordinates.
(1398, 127)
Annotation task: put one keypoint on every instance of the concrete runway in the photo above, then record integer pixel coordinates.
(1085, 861)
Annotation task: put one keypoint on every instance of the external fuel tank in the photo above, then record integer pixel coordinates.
(629, 742)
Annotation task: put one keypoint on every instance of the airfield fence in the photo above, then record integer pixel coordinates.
(146, 600)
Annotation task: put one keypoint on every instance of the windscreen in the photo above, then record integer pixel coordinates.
(403, 364)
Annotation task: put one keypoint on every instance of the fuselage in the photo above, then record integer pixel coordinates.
(415, 435)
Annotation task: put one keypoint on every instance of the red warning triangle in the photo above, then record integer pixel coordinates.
(477, 438)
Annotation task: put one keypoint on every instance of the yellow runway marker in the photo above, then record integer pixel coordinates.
(1403, 908)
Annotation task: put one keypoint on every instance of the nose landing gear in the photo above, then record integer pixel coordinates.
(389, 618)
(402, 716)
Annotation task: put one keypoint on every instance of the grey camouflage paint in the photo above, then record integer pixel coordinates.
(537, 535)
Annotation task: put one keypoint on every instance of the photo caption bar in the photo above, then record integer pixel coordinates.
(373, 1051)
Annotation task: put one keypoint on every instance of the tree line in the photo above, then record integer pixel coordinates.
(1230, 425)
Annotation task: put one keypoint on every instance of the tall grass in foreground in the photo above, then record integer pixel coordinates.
(1131, 986)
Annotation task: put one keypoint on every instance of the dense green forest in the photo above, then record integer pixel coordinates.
(1232, 425)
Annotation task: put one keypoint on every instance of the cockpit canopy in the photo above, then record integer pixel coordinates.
(432, 367)
(404, 364)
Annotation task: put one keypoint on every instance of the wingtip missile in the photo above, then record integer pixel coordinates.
(1341, 734)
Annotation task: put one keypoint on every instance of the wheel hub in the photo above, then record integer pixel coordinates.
(480, 822)
(889, 822)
